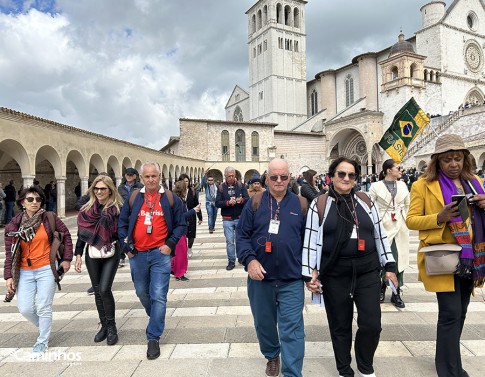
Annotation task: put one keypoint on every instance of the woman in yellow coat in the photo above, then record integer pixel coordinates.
(438, 220)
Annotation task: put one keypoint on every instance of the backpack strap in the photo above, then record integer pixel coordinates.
(133, 195)
(303, 205)
(365, 198)
(321, 204)
(169, 197)
(51, 220)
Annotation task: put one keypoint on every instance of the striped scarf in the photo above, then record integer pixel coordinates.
(472, 256)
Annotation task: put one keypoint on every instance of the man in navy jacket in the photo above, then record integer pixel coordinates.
(148, 232)
(231, 197)
(269, 241)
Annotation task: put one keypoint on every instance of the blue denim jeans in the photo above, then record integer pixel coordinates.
(230, 234)
(35, 293)
(150, 272)
(278, 319)
(211, 215)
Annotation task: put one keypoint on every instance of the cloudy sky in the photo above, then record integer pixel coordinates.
(131, 68)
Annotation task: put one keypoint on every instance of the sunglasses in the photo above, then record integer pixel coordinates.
(102, 189)
(274, 178)
(342, 174)
(30, 199)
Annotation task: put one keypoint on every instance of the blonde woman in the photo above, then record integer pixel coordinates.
(98, 227)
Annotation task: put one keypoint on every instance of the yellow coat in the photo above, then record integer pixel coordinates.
(426, 203)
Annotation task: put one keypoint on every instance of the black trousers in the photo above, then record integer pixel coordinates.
(191, 242)
(353, 281)
(451, 318)
(102, 273)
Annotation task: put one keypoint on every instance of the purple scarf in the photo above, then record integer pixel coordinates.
(472, 256)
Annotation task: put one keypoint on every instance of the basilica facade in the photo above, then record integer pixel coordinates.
(345, 110)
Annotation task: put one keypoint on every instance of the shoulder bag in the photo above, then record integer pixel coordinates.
(441, 259)
(102, 253)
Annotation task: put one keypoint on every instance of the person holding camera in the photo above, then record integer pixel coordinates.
(31, 268)
(98, 229)
(434, 212)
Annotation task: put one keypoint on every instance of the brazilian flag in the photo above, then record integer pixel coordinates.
(408, 123)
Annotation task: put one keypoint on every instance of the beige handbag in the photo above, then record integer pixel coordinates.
(442, 259)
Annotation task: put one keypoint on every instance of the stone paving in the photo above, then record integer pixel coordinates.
(209, 328)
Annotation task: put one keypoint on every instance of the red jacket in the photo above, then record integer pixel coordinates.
(13, 226)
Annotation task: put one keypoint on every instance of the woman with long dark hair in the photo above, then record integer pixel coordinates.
(192, 201)
(392, 198)
(180, 262)
(98, 228)
(309, 189)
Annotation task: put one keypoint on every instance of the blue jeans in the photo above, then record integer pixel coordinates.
(9, 211)
(211, 214)
(230, 234)
(35, 293)
(150, 272)
(278, 319)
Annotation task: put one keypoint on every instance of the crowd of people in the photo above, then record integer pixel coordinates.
(343, 236)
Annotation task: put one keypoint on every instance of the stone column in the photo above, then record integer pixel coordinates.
(28, 180)
(118, 181)
(61, 197)
(369, 161)
(166, 182)
(84, 185)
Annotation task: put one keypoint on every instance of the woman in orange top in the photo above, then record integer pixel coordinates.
(30, 267)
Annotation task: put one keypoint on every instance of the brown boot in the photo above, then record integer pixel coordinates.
(273, 367)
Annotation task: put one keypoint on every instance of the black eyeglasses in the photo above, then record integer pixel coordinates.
(274, 178)
(30, 199)
(102, 189)
(342, 174)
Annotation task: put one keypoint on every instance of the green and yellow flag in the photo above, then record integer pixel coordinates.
(408, 123)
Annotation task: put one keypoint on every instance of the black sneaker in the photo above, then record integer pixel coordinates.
(230, 266)
(153, 349)
(90, 291)
(182, 278)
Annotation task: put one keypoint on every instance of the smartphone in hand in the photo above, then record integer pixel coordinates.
(60, 272)
(457, 198)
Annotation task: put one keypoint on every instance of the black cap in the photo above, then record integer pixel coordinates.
(131, 171)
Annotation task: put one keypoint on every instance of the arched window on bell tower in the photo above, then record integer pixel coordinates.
(349, 90)
(314, 101)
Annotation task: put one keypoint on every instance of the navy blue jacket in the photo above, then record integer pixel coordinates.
(176, 223)
(231, 212)
(283, 264)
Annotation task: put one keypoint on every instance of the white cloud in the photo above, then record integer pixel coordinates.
(130, 69)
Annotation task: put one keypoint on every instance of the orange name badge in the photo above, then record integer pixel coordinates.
(267, 246)
(361, 245)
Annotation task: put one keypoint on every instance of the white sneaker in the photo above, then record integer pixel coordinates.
(190, 254)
